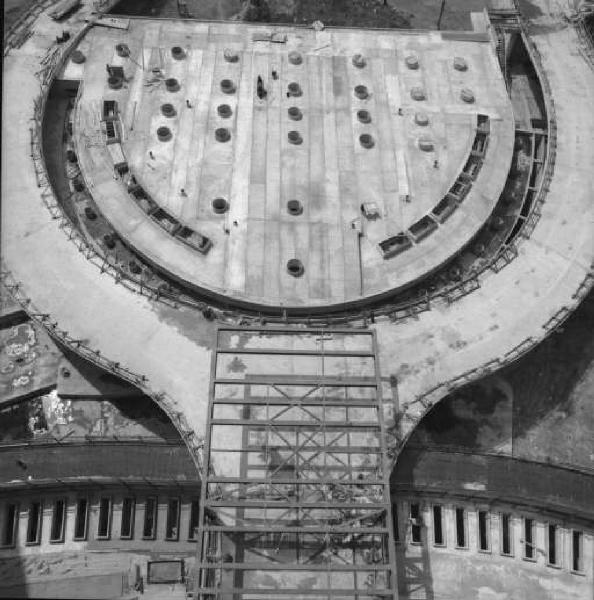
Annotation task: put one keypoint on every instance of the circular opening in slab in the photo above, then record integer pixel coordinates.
(426, 144)
(295, 114)
(115, 83)
(178, 52)
(295, 267)
(412, 61)
(230, 55)
(364, 116)
(294, 207)
(164, 134)
(71, 156)
(222, 134)
(227, 86)
(460, 63)
(421, 119)
(467, 95)
(418, 93)
(122, 50)
(295, 137)
(294, 89)
(90, 213)
(361, 92)
(366, 140)
(359, 61)
(168, 110)
(77, 57)
(295, 58)
(224, 111)
(172, 84)
(220, 206)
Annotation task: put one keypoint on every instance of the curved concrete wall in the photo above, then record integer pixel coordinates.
(427, 570)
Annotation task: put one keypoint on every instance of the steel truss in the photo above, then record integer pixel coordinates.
(295, 500)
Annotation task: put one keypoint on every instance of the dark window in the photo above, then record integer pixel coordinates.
(528, 538)
(104, 523)
(149, 531)
(460, 528)
(80, 519)
(415, 523)
(34, 523)
(9, 524)
(172, 528)
(58, 521)
(506, 547)
(127, 528)
(194, 520)
(576, 551)
(552, 545)
(437, 526)
(395, 519)
(483, 527)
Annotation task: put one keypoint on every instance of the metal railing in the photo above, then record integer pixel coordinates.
(49, 439)
(18, 33)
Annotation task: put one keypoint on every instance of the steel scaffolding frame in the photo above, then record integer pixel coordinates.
(295, 501)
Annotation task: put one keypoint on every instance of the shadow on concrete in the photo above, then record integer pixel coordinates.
(539, 408)
(414, 576)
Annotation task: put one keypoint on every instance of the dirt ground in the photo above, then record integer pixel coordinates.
(539, 408)
(418, 14)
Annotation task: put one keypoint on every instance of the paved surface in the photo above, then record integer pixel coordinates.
(258, 170)
(174, 347)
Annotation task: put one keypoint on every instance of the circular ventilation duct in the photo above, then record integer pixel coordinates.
(295, 267)
(164, 134)
(220, 206)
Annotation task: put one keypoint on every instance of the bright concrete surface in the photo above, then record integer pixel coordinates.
(513, 305)
(446, 572)
(146, 337)
(173, 348)
(258, 171)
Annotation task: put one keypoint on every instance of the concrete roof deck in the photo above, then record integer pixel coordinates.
(174, 347)
(258, 170)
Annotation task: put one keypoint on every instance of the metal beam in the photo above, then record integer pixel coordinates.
(321, 381)
(291, 352)
(265, 528)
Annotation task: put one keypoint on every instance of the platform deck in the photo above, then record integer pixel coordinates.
(258, 171)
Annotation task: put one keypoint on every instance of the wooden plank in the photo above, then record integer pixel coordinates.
(238, 250)
(274, 201)
(315, 207)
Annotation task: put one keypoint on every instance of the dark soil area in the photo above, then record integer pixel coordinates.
(418, 14)
(551, 414)
(348, 13)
